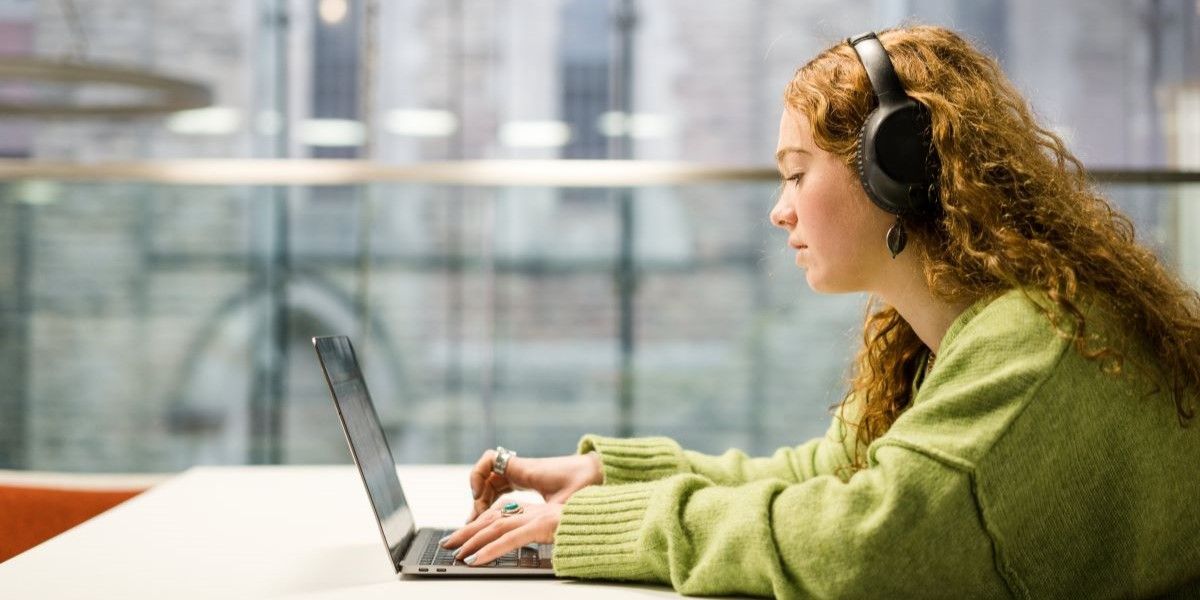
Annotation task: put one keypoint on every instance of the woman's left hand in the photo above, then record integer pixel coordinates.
(492, 535)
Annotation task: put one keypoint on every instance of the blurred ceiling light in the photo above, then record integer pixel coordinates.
(331, 132)
(268, 122)
(612, 123)
(37, 192)
(535, 134)
(651, 126)
(162, 94)
(420, 123)
(216, 120)
(332, 11)
(638, 125)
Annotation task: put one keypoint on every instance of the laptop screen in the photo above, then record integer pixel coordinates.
(367, 443)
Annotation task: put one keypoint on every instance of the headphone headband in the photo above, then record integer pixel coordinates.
(879, 68)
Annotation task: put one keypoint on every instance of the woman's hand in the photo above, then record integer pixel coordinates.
(494, 534)
(556, 479)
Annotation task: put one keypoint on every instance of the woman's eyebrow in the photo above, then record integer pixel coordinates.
(789, 149)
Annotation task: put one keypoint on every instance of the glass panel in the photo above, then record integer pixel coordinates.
(152, 327)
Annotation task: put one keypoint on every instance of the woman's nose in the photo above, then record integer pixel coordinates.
(782, 215)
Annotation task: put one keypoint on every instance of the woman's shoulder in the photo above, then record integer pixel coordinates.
(1002, 354)
(1027, 320)
(1016, 320)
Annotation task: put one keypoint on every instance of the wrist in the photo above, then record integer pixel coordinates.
(597, 467)
(514, 469)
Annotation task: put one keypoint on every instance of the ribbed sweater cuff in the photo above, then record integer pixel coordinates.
(627, 460)
(598, 534)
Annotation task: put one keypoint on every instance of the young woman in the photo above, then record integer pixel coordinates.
(1016, 424)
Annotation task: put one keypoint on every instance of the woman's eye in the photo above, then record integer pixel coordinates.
(795, 178)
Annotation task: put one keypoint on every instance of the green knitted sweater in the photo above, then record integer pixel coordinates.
(1020, 469)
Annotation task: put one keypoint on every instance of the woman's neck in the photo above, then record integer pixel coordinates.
(909, 293)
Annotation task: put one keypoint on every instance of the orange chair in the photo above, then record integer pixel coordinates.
(35, 507)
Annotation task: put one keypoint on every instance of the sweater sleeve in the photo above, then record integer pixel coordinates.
(906, 527)
(647, 459)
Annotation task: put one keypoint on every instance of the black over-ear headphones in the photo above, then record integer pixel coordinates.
(896, 160)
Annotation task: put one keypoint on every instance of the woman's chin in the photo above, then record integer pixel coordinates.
(815, 283)
(818, 279)
(822, 285)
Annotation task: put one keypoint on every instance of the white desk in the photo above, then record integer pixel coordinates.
(265, 532)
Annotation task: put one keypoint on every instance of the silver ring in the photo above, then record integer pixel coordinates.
(510, 509)
(503, 455)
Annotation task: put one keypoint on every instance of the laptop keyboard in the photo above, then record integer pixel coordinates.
(436, 555)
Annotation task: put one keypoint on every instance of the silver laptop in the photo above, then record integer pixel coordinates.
(414, 552)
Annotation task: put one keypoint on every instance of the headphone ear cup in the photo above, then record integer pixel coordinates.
(867, 164)
(895, 159)
(901, 144)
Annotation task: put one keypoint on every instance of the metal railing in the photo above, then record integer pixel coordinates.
(552, 173)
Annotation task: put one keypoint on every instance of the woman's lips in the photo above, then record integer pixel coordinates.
(801, 255)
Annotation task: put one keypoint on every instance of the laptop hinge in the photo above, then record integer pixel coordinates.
(401, 549)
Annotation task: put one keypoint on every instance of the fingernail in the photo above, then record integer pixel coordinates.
(470, 560)
(442, 542)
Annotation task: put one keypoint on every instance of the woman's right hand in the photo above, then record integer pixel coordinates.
(554, 478)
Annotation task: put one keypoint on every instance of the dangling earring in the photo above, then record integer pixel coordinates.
(897, 237)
